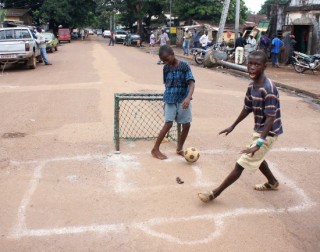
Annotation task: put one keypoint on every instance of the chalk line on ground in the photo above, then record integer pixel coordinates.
(127, 162)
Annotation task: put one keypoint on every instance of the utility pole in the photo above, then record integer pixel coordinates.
(223, 19)
(111, 22)
(1, 13)
(236, 27)
(170, 15)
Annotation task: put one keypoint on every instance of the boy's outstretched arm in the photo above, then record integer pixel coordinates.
(186, 102)
(244, 113)
(267, 127)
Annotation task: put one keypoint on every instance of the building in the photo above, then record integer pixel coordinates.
(14, 17)
(302, 19)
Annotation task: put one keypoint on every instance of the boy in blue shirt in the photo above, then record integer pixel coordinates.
(179, 86)
(275, 50)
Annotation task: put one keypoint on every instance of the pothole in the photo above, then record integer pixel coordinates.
(14, 135)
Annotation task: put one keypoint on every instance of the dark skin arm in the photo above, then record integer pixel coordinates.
(267, 127)
(186, 102)
(244, 113)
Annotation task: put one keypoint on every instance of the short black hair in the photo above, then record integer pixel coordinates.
(260, 54)
(165, 49)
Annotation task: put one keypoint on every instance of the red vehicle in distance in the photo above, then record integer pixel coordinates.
(64, 35)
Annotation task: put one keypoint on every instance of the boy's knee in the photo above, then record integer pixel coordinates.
(186, 125)
(238, 168)
(169, 124)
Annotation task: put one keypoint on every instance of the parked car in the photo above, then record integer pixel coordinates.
(75, 35)
(120, 35)
(64, 35)
(51, 42)
(18, 45)
(99, 32)
(135, 39)
(106, 33)
(90, 31)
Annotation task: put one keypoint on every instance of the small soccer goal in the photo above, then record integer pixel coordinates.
(139, 116)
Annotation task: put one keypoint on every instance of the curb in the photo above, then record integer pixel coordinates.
(278, 84)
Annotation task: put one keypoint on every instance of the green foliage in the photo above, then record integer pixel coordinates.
(264, 7)
(2, 15)
(68, 13)
(207, 10)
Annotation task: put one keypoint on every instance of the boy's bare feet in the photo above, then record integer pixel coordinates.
(158, 154)
(180, 152)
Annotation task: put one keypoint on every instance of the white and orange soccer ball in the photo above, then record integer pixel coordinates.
(191, 154)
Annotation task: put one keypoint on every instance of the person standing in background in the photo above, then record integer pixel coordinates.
(239, 45)
(264, 43)
(186, 41)
(152, 39)
(163, 40)
(41, 41)
(111, 41)
(275, 50)
(252, 43)
(196, 37)
(204, 39)
(291, 45)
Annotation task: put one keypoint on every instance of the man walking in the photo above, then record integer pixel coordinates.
(163, 40)
(111, 41)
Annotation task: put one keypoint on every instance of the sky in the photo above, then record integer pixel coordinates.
(254, 5)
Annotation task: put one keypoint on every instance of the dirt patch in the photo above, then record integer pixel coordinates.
(14, 135)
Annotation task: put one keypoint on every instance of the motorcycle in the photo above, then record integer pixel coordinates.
(302, 62)
(200, 53)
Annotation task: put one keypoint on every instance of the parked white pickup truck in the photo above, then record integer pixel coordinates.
(17, 45)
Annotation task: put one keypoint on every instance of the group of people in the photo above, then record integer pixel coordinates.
(265, 44)
(261, 99)
(187, 38)
(198, 40)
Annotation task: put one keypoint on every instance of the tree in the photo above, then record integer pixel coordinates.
(207, 10)
(2, 15)
(132, 11)
(265, 8)
(68, 13)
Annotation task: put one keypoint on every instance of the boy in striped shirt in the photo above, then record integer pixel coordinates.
(262, 99)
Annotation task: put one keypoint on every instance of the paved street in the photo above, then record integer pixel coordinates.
(63, 187)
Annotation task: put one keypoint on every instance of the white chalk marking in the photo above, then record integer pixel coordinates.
(73, 178)
(219, 219)
(116, 228)
(305, 149)
(126, 161)
(199, 181)
(122, 163)
(21, 225)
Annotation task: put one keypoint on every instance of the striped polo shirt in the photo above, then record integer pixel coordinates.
(176, 81)
(264, 101)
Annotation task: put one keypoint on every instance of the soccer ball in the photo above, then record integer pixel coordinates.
(191, 154)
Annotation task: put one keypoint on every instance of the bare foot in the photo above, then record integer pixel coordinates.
(180, 152)
(157, 154)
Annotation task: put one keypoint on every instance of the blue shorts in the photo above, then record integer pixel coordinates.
(175, 112)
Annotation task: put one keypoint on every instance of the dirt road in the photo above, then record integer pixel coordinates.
(62, 187)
